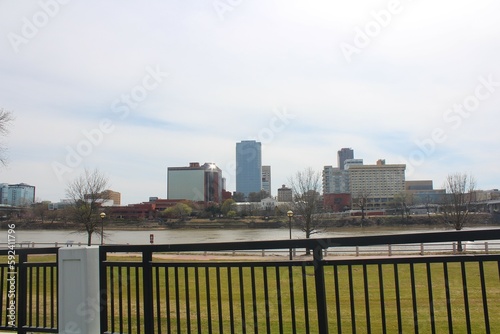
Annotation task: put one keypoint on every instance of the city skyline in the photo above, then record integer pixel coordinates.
(141, 88)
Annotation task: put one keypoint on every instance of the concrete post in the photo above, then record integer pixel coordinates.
(79, 290)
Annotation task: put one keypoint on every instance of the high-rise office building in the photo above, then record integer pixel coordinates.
(195, 183)
(343, 155)
(17, 194)
(336, 180)
(378, 183)
(248, 167)
(266, 179)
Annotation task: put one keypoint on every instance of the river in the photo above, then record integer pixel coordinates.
(178, 236)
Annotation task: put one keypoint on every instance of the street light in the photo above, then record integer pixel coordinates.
(102, 215)
(290, 215)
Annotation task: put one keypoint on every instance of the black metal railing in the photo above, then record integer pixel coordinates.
(143, 290)
(28, 286)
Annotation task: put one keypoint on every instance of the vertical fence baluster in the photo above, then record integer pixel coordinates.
(254, 301)
(177, 299)
(448, 297)
(414, 297)
(382, 299)
(266, 300)
(231, 300)
(112, 296)
(337, 298)
(278, 295)
(485, 298)
(45, 315)
(431, 298)
(120, 298)
(138, 300)
(29, 318)
(129, 301)
(219, 300)
(466, 296)
(242, 296)
(305, 296)
(167, 299)
(367, 299)
(37, 298)
(198, 301)
(188, 307)
(351, 298)
(2, 282)
(158, 298)
(209, 307)
(398, 298)
(292, 298)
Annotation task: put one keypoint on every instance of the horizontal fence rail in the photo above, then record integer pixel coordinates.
(28, 286)
(428, 294)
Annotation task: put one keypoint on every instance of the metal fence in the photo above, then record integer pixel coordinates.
(28, 286)
(151, 293)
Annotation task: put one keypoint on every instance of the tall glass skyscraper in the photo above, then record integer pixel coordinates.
(248, 167)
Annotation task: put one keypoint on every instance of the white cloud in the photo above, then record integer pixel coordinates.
(225, 78)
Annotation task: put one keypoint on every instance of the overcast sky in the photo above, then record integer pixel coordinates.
(133, 87)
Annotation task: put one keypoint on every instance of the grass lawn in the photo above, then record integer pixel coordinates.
(229, 299)
(217, 297)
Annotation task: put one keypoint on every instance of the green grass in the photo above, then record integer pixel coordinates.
(270, 306)
(225, 282)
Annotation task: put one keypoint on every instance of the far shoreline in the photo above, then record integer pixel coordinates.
(478, 220)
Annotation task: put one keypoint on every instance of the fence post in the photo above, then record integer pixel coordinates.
(147, 276)
(319, 278)
(103, 281)
(23, 291)
(78, 291)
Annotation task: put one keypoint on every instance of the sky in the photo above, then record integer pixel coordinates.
(133, 87)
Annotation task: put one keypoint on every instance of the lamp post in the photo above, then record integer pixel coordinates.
(290, 215)
(102, 215)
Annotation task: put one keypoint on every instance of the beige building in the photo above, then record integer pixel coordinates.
(378, 184)
(114, 196)
(285, 194)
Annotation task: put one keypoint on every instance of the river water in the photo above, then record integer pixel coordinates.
(178, 236)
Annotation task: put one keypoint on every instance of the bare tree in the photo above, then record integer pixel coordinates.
(361, 200)
(403, 201)
(307, 199)
(5, 119)
(87, 192)
(460, 189)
